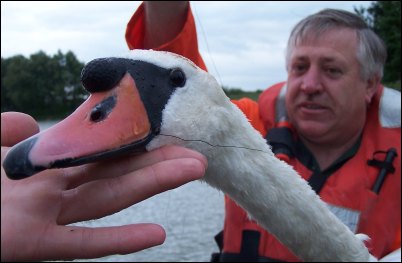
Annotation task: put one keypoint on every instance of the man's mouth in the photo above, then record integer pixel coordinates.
(312, 106)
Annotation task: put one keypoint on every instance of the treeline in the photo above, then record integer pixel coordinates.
(237, 93)
(384, 17)
(41, 85)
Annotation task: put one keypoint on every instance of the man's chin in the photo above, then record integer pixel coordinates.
(313, 131)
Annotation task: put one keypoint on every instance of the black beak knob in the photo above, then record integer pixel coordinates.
(103, 74)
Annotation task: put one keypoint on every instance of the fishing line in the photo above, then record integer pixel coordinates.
(207, 45)
(213, 145)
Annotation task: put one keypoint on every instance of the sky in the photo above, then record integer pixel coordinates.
(242, 43)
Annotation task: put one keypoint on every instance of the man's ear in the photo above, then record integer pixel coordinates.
(371, 88)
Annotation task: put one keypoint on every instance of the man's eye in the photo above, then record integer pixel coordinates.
(299, 69)
(333, 72)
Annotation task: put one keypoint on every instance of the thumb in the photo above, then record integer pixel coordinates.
(16, 126)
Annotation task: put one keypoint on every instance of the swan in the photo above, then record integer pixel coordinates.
(148, 99)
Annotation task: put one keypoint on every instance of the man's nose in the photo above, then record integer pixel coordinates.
(311, 82)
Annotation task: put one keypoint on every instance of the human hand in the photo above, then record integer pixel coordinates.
(36, 211)
(158, 14)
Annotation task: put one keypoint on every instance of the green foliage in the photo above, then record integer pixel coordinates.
(42, 86)
(236, 93)
(384, 17)
(395, 85)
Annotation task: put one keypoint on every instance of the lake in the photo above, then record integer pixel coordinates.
(191, 216)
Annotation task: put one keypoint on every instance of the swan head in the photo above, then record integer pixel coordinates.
(133, 100)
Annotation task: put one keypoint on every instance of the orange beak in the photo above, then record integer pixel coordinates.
(107, 123)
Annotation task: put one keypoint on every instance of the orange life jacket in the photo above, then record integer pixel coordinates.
(348, 190)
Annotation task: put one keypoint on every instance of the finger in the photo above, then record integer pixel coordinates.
(116, 167)
(16, 126)
(73, 242)
(4, 150)
(104, 197)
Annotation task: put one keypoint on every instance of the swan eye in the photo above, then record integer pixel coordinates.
(177, 78)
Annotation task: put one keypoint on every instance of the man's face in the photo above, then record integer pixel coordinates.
(326, 97)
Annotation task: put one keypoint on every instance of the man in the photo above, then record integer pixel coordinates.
(331, 120)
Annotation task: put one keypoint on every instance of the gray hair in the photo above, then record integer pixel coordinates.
(371, 51)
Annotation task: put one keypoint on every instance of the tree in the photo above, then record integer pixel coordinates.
(5, 100)
(42, 86)
(73, 90)
(16, 84)
(384, 17)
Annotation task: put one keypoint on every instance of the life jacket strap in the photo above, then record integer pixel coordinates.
(386, 164)
(281, 141)
(385, 167)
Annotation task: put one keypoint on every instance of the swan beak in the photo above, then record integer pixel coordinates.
(107, 124)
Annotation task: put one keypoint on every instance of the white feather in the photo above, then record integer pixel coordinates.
(269, 189)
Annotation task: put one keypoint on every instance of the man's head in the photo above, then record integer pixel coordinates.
(334, 63)
(370, 50)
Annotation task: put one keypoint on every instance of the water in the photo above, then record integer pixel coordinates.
(191, 215)
(43, 125)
